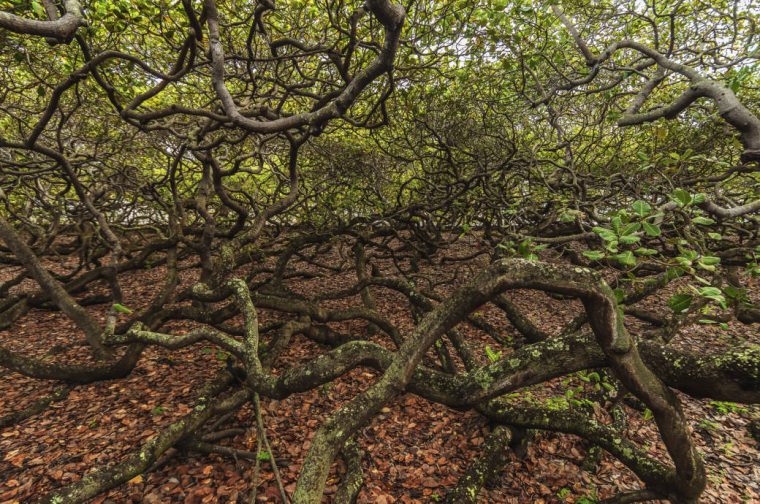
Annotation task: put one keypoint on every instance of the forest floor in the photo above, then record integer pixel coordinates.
(413, 452)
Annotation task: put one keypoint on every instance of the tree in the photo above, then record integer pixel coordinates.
(438, 157)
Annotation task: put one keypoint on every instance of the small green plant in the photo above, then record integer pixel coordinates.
(492, 354)
(120, 308)
(564, 493)
(598, 381)
(557, 403)
(158, 410)
(725, 407)
(713, 294)
(627, 228)
(466, 228)
(708, 425)
(708, 321)
(264, 456)
(436, 497)
(727, 447)
(526, 249)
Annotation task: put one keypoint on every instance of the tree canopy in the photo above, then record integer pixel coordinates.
(385, 181)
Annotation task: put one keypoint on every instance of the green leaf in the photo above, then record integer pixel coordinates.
(643, 251)
(713, 294)
(616, 224)
(264, 456)
(604, 233)
(706, 267)
(710, 260)
(710, 291)
(492, 355)
(38, 9)
(158, 410)
(641, 208)
(648, 415)
(715, 236)
(629, 239)
(683, 261)
(704, 221)
(631, 228)
(682, 197)
(651, 229)
(701, 280)
(120, 308)
(564, 493)
(625, 258)
(593, 255)
(679, 303)
(526, 249)
(691, 255)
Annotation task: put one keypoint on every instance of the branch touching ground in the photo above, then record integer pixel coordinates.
(35, 408)
(607, 323)
(142, 459)
(495, 456)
